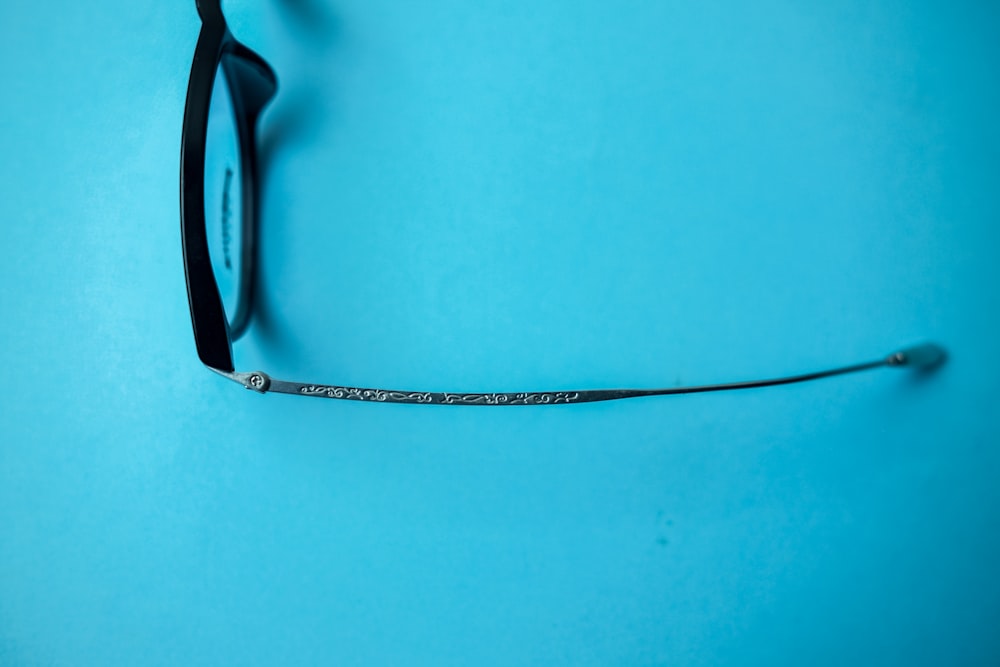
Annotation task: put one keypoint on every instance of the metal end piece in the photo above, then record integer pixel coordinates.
(924, 357)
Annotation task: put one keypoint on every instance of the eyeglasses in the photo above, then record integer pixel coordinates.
(229, 87)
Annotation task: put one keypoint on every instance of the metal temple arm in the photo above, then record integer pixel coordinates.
(922, 357)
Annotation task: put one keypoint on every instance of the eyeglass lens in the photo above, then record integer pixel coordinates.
(223, 195)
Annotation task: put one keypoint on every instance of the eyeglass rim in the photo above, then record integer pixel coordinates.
(252, 84)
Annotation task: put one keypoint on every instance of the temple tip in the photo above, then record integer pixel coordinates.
(926, 357)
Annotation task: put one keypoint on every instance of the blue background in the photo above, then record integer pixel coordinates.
(504, 196)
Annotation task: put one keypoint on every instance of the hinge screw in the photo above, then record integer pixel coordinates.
(258, 382)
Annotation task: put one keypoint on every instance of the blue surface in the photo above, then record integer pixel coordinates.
(502, 196)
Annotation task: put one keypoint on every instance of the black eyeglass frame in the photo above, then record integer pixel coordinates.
(252, 84)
